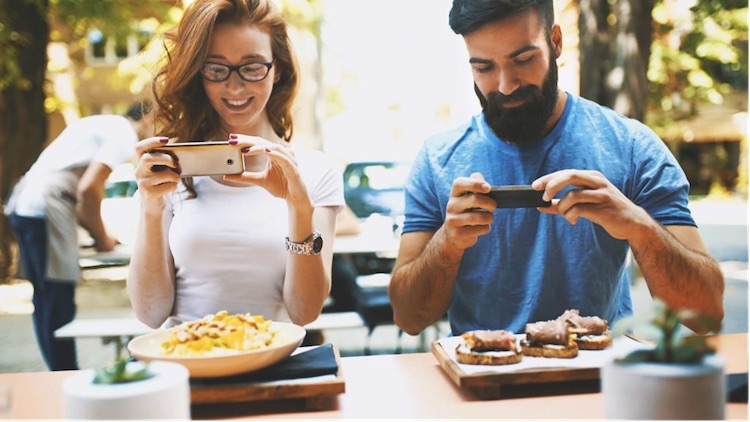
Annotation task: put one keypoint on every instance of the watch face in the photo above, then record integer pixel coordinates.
(317, 244)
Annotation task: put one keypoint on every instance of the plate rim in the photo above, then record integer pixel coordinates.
(163, 332)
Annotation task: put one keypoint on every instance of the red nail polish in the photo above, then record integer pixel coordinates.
(233, 136)
(233, 141)
(246, 149)
(164, 140)
(268, 150)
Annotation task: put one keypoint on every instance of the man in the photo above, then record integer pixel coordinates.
(64, 188)
(614, 186)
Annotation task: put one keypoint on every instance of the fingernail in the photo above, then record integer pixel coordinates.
(245, 150)
(233, 136)
(233, 141)
(268, 150)
(164, 140)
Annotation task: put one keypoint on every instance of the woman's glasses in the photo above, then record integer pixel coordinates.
(250, 72)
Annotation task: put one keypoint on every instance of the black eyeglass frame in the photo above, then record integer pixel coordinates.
(268, 66)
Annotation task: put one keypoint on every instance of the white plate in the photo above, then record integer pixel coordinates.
(148, 348)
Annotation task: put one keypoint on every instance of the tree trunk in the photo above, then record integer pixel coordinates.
(23, 122)
(615, 47)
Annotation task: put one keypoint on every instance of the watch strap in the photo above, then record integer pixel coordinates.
(310, 246)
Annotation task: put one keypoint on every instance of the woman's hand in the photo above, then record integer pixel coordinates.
(154, 174)
(280, 175)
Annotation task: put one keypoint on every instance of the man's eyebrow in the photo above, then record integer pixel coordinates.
(477, 60)
(522, 50)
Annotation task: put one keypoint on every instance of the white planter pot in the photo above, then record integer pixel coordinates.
(648, 390)
(166, 395)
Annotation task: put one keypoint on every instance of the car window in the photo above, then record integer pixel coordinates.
(375, 187)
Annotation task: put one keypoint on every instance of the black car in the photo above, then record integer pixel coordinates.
(376, 187)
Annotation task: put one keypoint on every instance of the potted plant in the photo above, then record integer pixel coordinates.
(129, 390)
(680, 377)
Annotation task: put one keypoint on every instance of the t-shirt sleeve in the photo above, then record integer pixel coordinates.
(117, 142)
(423, 211)
(660, 186)
(326, 184)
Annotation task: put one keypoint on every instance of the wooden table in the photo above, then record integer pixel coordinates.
(383, 386)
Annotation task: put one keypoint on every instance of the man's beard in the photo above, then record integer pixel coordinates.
(525, 124)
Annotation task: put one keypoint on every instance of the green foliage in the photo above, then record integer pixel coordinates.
(121, 372)
(698, 56)
(672, 344)
(112, 17)
(12, 44)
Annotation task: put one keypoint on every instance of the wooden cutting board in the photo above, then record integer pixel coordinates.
(534, 377)
(317, 391)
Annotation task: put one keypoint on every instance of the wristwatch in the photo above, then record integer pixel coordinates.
(310, 246)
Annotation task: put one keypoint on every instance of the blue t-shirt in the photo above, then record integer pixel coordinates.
(533, 266)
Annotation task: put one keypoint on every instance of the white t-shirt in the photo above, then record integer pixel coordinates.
(107, 139)
(228, 243)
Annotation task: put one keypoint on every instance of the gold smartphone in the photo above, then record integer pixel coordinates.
(210, 158)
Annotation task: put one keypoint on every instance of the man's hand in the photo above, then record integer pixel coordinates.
(469, 212)
(107, 244)
(594, 198)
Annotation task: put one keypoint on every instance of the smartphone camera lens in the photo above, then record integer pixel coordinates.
(230, 161)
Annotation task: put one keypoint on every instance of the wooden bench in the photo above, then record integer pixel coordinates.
(111, 330)
(336, 320)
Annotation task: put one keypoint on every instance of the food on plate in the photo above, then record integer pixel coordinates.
(549, 339)
(487, 347)
(220, 334)
(592, 332)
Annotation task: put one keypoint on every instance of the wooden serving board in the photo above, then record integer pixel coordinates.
(533, 376)
(317, 391)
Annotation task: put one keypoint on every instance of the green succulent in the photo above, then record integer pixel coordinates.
(673, 345)
(121, 372)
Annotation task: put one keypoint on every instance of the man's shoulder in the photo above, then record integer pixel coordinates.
(450, 137)
(596, 110)
(98, 123)
(602, 117)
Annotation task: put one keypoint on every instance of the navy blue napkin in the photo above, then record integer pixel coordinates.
(317, 361)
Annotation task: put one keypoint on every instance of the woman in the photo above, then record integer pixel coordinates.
(206, 244)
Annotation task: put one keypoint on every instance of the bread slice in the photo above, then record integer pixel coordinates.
(550, 350)
(465, 355)
(594, 342)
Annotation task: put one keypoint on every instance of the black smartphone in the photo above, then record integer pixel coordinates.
(517, 196)
(213, 158)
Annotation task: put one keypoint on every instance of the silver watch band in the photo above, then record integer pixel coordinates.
(310, 246)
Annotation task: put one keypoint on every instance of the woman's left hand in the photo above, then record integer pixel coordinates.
(280, 177)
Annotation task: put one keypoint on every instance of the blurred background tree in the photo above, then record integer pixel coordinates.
(666, 62)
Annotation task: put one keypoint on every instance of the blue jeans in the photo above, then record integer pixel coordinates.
(54, 301)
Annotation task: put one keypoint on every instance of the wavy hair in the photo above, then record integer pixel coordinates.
(184, 111)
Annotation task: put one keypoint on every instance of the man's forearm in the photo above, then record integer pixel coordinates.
(421, 290)
(90, 217)
(685, 278)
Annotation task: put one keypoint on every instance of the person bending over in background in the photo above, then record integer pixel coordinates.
(615, 187)
(241, 243)
(62, 189)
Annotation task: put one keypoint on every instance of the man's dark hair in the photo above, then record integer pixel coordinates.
(467, 15)
(138, 109)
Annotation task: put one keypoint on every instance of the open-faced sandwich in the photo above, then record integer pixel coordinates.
(549, 339)
(487, 347)
(592, 332)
